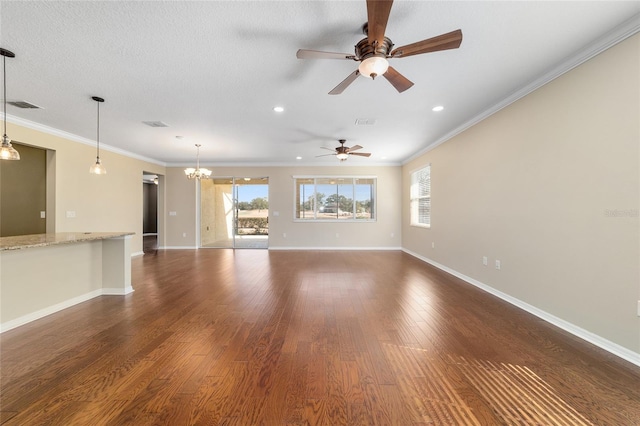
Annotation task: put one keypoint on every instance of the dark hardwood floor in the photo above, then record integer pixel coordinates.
(256, 337)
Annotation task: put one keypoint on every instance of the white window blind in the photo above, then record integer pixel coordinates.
(420, 195)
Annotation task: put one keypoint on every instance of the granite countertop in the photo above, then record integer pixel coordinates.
(43, 240)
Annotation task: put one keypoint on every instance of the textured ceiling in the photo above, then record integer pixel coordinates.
(214, 70)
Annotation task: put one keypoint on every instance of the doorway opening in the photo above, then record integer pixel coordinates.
(149, 212)
(234, 212)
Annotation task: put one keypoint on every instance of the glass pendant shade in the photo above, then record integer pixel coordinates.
(8, 152)
(98, 168)
(373, 66)
(198, 173)
(342, 156)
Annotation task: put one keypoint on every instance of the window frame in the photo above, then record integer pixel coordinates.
(353, 183)
(414, 199)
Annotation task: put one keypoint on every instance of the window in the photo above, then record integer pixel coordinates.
(421, 197)
(335, 198)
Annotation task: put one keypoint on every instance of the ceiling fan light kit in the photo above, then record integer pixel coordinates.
(373, 66)
(343, 152)
(374, 51)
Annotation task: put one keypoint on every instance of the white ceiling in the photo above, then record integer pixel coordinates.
(213, 71)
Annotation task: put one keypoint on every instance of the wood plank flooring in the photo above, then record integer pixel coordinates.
(252, 337)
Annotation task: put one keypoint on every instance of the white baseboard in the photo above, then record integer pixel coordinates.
(177, 248)
(607, 345)
(117, 291)
(337, 248)
(9, 325)
(136, 254)
(25, 319)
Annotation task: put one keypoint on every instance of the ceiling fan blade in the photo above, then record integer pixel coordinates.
(446, 41)
(362, 154)
(324, 155)
(317, 54)
(355, 148)
(345, 83)
(400, 82)
(377, 15)
(330, 149)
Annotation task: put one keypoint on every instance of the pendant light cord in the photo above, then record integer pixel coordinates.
(4, 77)
(98, 135)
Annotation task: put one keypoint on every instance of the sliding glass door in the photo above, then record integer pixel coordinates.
(234, 212)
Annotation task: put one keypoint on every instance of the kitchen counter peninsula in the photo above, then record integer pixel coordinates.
(44, 273)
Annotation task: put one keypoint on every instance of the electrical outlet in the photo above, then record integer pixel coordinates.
(43, 215)
(498, 265)
(284, 235)
(337, 235)
(71, 213)
(184, 235)
(639, 308)
(485, 261)
(172, 213)
(433, 245)
(393, 235)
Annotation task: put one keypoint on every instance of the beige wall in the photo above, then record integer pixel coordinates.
(108, 203)
(532, 185)
(23, 187)
(26, 273)
(181, 195)
(180, 210)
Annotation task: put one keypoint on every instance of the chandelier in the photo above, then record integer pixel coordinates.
(197, 173)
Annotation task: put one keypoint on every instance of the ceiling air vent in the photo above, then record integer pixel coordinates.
(155, 123)
(365, 121)
(23, 104)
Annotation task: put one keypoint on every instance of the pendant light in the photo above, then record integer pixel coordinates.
(7, 152)
(98, 168)
(197, 173)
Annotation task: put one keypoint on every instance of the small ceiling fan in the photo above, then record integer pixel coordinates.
(343, 152)
(374, 51)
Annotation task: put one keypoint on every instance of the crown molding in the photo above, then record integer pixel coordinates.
(610, 39)
(283, 164)
(75, 138)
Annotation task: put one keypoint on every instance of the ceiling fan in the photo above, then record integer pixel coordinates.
(343, 152)
(374, 51)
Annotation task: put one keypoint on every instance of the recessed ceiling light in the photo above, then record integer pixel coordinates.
(298, 158)
(180, 137)
(437, 108)
(278, 109)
